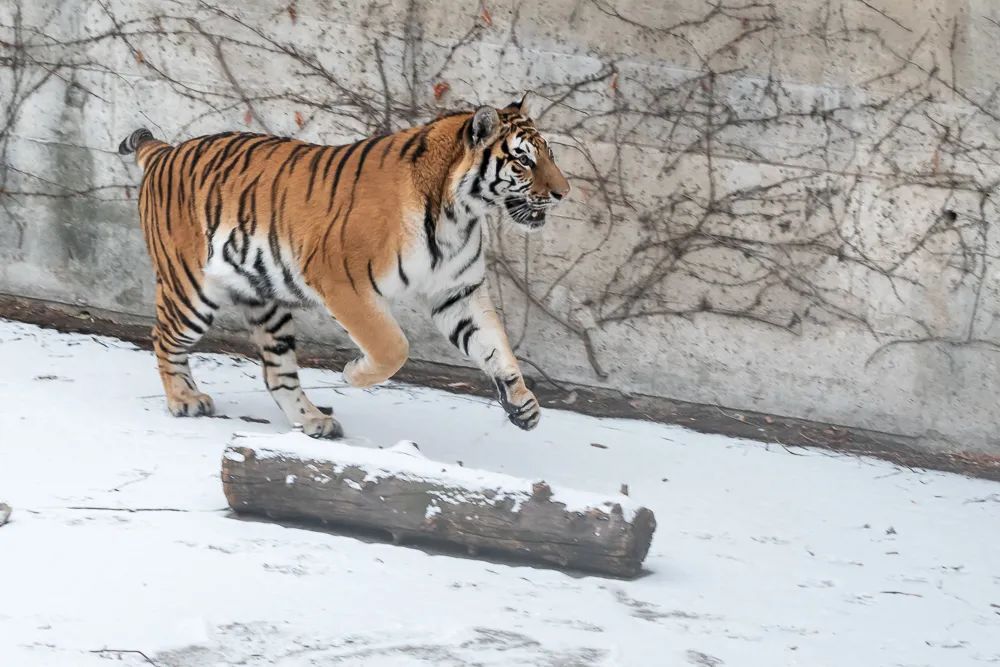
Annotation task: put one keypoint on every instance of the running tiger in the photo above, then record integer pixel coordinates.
(272, 224)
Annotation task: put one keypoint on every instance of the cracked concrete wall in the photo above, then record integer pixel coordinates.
(784, 207)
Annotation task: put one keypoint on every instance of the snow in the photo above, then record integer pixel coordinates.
(120, 539)
(404, 461)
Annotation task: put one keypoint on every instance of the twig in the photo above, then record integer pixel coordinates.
(126, 509)
(545, 375)
(125, 650)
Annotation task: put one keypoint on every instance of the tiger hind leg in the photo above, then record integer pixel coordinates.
(273, 331)
(179, 325)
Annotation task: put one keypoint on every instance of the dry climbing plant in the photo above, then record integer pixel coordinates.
(709, 184)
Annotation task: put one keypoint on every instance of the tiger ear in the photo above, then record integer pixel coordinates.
(520, 107)
(485, 123)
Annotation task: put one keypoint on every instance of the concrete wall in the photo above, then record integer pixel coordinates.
(786, 207)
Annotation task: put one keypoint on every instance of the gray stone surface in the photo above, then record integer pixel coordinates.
(783, 207)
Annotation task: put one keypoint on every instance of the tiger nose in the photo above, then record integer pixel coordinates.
(560, 191)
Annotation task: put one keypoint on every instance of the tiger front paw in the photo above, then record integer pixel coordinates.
(367, 371)
(356, 375)
(191, 404)
(518, 402)
(322, 426)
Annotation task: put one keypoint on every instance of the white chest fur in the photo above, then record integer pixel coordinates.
(443, 256)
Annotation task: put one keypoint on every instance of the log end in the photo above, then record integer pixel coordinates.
(234, 458)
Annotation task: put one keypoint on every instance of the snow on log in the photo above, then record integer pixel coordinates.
(399, 491)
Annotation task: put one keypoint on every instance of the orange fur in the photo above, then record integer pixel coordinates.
(272, 223)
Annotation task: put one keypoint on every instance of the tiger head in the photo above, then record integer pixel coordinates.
(517, 168)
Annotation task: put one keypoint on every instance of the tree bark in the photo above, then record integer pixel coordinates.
(414, 499)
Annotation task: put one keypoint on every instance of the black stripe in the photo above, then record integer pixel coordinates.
(468, 230)
(329, 160)
(347, 270)
(283, 386)
(313, 171)
(253, 206)
(279, 349)
(183, 318)
(357, 176)
(272, 233)
(430, 232)
(157, 157)
(278, 144)
(197, 288)
(268, 315)
(166, 200)
(233, 150)
(282, 321)
(286, 340)
(213, 214)
(326, 238)
(339, 173)
(210, 167)
(188, 149)
(228, 149)
(249, 152)
(282, 345)
(455, 298)
(364, 154)
(477, 184)
(475, 257)
(497, 180)
(174, 281)
(385, 152)
(408, 144)
(421, 146)
(399, 268)
(468, 334)
(240, 300)
(171, 275)
(179, 348)
(207, 142)
(243, 215)
(276, 256)
(312, 255)
(199, 327)
(371, 279)
(263, 285)
(168, 321)
(459, 328)
(294, 157)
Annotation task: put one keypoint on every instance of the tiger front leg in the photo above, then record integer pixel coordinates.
(466, 315)
(373, 329)
(273, 330)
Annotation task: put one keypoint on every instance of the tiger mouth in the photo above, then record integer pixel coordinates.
(525, 213)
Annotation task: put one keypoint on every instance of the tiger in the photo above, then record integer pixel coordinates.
(273, 224)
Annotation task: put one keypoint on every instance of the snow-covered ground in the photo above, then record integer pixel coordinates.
(120, 539)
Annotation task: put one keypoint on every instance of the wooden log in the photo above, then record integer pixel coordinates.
(411, 498)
